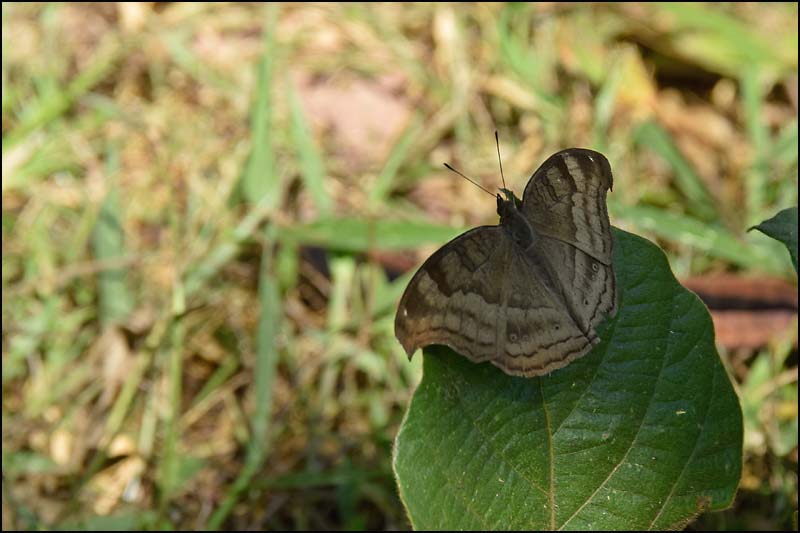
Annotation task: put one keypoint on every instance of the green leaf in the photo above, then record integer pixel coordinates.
(644, 432)
(783, 227)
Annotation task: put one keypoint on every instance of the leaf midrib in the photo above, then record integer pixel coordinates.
(552, 494)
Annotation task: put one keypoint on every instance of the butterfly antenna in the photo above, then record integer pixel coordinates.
(469, 180)
(497, 143)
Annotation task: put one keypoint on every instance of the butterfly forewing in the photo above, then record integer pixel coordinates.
(454, 296)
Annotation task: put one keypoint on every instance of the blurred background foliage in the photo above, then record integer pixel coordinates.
(210, 211)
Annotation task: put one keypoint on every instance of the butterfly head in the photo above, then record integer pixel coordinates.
(509, 203)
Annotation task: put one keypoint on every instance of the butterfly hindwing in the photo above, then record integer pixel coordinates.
(540, 335)
(591, 294)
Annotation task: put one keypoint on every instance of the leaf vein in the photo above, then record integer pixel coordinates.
(694, 450)
(490, 441)
(630, 447)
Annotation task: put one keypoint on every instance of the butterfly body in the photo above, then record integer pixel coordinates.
(513, 221)
(526, 294)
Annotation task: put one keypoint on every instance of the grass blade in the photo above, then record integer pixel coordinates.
(386, 178)
(711, 240)
(266, 359)
(108, 245)
(756, 178)
(260, 182)
(56, 102)
(260, 178)
(653, 136)
(224, 252)
(169, 473)
(359, 235)
(716, 39)
(311, 164)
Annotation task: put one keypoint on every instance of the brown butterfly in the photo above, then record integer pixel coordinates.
(527, 294)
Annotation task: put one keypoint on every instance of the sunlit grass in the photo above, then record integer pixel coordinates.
(206, 208)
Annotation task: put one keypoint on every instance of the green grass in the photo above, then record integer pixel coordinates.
(210, 212)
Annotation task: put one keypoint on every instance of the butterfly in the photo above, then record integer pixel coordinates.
(527, 294)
